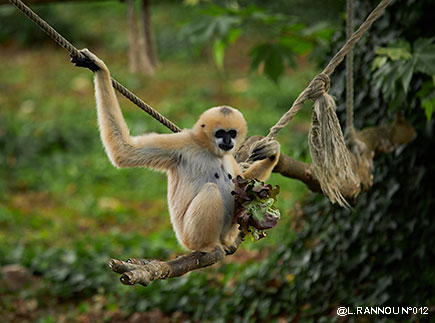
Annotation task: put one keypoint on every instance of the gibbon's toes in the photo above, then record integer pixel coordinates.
(86, 61)
(229, 250)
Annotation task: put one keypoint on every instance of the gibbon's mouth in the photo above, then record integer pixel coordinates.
(225, 147)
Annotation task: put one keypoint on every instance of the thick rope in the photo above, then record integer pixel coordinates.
(61, 41)
(329, 69)
(350, 130)
(356, 146)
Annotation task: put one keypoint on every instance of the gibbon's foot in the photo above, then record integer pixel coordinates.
(229, 250)
(87, 61)
(265, 149)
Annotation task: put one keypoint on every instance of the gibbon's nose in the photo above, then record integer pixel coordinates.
(227, 139)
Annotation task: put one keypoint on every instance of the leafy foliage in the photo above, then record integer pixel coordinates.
(255, 206)
(223, 25)
(395, 67)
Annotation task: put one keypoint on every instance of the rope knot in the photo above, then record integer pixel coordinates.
(318, 86)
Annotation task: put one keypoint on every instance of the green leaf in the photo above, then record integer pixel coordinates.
(429, 107)
(407, 74)
(427, 98)
(225, 24)
(424, 51)
(394, 53)
(233, 35)
(219, 52)
(378, 62)
(299, 46)
(273, 64)
(258, 54)
(319, 30)
(255, 206)
(273, 56)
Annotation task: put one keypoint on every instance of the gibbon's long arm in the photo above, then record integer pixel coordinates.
(150, 150)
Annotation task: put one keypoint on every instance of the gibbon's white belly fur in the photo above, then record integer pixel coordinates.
(193, 170)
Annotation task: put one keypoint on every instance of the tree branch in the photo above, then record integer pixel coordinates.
(143, 271)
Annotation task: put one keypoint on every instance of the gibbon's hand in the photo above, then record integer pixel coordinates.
(265, 149)
(90, 61)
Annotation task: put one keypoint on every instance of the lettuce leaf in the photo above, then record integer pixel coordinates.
(255, 206)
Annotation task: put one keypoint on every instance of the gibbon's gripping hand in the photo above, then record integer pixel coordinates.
(90, 61)
(263, 149)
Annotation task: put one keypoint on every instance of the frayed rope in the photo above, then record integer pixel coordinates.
(330, 157)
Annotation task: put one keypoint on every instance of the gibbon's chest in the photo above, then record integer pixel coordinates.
(202, 168)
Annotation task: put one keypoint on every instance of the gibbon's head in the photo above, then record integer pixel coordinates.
(221, 129)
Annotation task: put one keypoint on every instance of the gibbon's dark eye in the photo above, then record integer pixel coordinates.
(232, 133)
(220, 133)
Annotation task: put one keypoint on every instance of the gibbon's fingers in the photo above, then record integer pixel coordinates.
(256, 156)
(265, 150)
(87, 61)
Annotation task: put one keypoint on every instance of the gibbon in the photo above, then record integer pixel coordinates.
(199, 163)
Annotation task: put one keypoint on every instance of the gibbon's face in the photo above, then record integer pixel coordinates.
(221, 129)
(225, 139)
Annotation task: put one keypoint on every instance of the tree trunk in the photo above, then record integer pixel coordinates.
(148, 35)
(138, 60)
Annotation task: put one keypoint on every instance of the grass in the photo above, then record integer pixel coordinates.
(63, 207)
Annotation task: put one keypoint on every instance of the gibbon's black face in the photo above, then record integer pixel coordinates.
(225, 139)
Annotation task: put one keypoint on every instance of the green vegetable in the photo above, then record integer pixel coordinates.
(255, 206)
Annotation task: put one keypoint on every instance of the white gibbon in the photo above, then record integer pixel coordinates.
(199, 163)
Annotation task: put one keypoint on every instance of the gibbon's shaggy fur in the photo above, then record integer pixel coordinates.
(199, 163)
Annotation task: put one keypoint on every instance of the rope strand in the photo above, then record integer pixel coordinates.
(350, 129)
(61, 41)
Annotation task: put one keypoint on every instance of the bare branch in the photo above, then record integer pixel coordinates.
(143, 271)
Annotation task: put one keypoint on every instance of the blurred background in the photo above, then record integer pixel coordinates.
(65, 210)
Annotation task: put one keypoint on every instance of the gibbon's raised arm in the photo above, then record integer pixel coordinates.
(150, 150)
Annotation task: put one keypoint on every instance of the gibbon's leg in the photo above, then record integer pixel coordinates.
(260, 170)
(229, 240)
(204, 220)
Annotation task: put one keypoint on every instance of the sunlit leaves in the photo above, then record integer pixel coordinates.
(395, 53)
